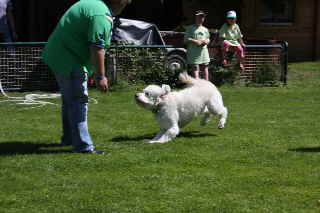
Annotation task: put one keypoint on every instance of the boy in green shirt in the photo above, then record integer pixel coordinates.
(197, 38)
(75, 49)
(231, 37)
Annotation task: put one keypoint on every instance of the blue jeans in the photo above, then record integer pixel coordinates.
(74, 94)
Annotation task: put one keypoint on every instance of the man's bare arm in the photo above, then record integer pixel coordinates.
(97, 60)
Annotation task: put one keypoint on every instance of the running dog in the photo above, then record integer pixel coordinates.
(174, 110)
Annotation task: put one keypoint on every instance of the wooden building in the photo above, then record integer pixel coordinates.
(294, 21)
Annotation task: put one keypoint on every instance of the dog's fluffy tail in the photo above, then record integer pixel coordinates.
(187, 79)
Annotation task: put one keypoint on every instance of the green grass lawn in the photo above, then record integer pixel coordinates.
(265, 160)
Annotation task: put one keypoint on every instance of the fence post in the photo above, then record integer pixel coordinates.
(286, 61)
(111, 66)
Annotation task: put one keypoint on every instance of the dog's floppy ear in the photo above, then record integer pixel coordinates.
(166, 89)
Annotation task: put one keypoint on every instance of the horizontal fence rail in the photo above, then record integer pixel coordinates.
(22, 68)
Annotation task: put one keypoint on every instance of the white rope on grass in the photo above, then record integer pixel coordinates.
(34, 99)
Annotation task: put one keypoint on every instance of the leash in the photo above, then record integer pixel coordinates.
(29, 99)
(34, 100)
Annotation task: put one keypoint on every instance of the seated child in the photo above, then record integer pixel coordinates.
(231, 37)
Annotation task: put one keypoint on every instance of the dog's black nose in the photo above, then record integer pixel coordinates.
(136, 95)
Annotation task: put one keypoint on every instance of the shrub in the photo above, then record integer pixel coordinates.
(267, 75)
(224, 75)
(147, 65)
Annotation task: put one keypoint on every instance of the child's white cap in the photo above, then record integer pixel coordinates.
(231, 14)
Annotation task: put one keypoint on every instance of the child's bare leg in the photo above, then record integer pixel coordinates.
(225, 49)
(204, 69)
(195, 70)
(240, 55)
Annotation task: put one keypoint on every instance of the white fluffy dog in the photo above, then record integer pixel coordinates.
(174, 110)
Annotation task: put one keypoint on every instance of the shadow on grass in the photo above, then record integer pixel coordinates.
(22, 148)
(190, 134)
(306, 149)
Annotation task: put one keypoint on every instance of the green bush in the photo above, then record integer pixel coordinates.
(267, 75)
(224, 75)
(144, 65)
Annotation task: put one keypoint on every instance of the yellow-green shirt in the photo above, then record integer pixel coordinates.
(197, 54)
(231, 33)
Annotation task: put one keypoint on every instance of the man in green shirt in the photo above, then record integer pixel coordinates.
(75, 50)
(197, 38)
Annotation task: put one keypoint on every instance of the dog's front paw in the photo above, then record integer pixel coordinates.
(221, 123)
(220, 126)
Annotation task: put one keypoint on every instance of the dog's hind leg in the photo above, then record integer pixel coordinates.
(218, 108)
(206, 117)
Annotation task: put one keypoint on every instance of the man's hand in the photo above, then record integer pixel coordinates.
(102, 84)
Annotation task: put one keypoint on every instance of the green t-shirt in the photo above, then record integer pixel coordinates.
(197, 54)
(231, 33)
(86, 23)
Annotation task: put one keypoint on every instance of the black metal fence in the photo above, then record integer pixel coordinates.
(22, 68)
(264, 64)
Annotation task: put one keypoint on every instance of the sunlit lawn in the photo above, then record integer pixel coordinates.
(265, 160)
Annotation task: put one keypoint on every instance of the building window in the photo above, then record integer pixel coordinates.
(277, 12)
